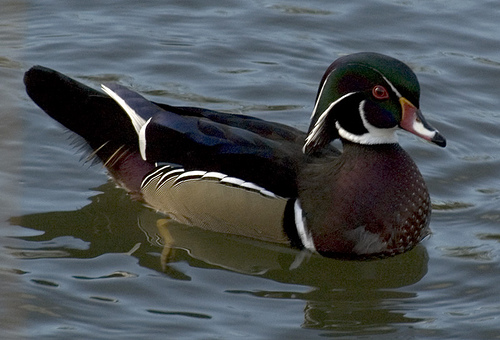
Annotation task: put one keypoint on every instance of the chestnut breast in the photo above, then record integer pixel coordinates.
(370, 200)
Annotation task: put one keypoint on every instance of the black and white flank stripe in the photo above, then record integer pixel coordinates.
(180, 175)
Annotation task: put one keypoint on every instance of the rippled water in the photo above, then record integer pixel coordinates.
(79, 259)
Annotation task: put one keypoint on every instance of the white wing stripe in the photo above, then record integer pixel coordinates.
(179, 176)
(142, 140)
(214, 175)
(137, 121)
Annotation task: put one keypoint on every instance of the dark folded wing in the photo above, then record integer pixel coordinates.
(265, 153)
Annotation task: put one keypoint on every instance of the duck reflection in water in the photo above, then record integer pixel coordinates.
(339, 292)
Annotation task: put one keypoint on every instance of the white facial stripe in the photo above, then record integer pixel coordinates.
(137, 121)
(392, 86)
(374, 134)
(320, 94)
(367, 138)
(319, 125)
(300, 223)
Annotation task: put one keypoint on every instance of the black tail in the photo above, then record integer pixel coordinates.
(94, 116)
(85, 111)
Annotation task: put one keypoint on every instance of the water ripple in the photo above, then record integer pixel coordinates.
(450, 205)
(187, 314)
(114, 275)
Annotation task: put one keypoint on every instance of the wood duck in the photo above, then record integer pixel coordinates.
(238, 174)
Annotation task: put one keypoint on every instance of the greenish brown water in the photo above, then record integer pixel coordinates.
(80, 260)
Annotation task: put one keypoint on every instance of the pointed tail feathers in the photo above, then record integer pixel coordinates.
(85, 111)
(91, 114)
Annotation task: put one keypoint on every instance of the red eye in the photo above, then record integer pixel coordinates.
(379, 92)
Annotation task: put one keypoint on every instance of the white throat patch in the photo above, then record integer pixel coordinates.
(374, 135)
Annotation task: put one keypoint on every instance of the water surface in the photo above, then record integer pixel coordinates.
(79, 259)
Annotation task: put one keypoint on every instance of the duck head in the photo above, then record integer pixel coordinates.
(365, 98)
